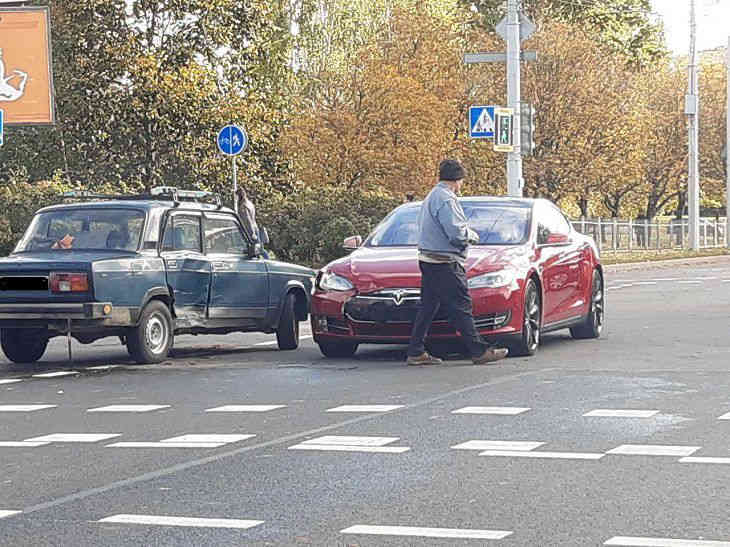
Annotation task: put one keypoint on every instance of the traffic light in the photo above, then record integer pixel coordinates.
(503, 141)
(527, 129)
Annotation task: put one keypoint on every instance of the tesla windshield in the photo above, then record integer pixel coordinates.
(495, 223)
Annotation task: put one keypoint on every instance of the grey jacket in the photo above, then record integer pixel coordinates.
(442, 225)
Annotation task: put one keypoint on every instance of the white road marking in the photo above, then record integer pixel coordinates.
(24, 408)
(10, 381)
(128, 408)
(521, 446)
(726, 280)
(182, 521)
(497, 410)
(411, 531)
(609, 413)
(245, 408)
(365, 408)
(274, 342)
(349, 448)
(22, 444)
(549, 455)
(724, 417)
(645, 283)
(6, 513)
(628, 541)
(75, 437)
(207, 438)
(709, 278)
(667, 279)
(351, 441)
(697, 459)
(157, 444)
(103, 367)
(689, 282)
(654, 450)
(58, 374)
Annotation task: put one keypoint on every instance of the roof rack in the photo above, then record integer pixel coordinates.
(166, 193)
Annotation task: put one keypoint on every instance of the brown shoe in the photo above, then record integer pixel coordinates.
(490, 356)
(423, 359)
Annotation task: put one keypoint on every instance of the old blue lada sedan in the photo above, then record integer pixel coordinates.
(144, 268)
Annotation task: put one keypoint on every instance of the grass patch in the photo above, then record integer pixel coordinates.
(608, 257)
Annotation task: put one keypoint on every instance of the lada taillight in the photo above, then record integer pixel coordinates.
(62, 282)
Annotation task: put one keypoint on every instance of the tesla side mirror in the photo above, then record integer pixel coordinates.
(557, 239)
(264, 236)
(351, 243)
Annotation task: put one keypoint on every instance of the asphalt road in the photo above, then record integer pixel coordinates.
(295, 473)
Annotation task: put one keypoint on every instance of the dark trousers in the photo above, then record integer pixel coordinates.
(445, 285)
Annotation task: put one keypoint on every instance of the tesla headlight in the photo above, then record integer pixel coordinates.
(334, 282)
(492, 280)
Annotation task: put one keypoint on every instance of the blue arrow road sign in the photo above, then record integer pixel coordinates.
(232, 140)
(2, 127)
(481, 122)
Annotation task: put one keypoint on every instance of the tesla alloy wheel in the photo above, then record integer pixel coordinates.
(593, 324)
(531, 322)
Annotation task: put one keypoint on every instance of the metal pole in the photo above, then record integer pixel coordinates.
(692, 111)
(727, 149)
(515, 182)
(235, 185)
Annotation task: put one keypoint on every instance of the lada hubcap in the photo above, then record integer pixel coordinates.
(156, 334)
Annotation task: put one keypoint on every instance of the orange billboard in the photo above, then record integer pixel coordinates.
(26, 78)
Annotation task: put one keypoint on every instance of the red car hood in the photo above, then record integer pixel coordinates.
(371, 268)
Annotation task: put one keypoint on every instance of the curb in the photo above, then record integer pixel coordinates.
(669, 263)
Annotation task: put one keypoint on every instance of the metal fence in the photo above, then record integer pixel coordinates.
(629, 235)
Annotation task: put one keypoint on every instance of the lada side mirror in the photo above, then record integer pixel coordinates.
(351, 243)
(254, 250)
(264, 236)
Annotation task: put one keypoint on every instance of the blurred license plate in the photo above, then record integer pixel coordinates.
(23, 283)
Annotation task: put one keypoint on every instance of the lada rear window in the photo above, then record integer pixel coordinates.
(84, 229)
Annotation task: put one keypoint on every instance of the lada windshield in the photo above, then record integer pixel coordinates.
(495, 223)
(84, 229)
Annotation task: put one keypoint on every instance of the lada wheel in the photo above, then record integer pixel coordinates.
(151, 340)
(531, 321)
(593, 325)
(24, 345)
(338, 349)
(287, 335)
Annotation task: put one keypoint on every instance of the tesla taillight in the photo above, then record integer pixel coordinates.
(62, 282)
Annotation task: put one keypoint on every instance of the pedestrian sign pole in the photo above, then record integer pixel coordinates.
(232, 140)
(2, 127)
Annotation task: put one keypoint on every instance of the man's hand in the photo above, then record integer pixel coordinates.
(64, 243)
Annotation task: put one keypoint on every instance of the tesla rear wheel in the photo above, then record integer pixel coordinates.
(338, 349)
(531, 323)
(24, 345)
(593, 325)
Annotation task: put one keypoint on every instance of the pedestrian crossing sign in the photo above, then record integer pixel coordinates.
(481, 122)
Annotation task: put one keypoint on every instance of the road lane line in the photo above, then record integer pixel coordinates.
(75, 437)
(415, 531)
(10, 381)
(654, 450)
(364, 408)
(698, 459)
(158, 520)
(158, 444)
(245, 408)
(351, 448)
(496, 410)
(24, 408)
(58, 374)
(689, 282)
(628, 541)
(521, 446)
(23, 444)
(346, 440)
(609, 413)
(199, 462)
(207, 438)
(128, 408)
(6, 513)
(549, 455)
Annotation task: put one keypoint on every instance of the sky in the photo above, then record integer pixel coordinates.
(713, 23)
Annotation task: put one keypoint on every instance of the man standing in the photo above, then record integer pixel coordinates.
(247, 213)
(443, 241)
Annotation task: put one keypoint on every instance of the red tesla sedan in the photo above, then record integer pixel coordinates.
(530, 273)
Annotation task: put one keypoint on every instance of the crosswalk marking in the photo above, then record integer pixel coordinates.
(365, 408)
(24, 408)
(245, 408)
(23, 444)
(350, 448)
(497, 410)
(654, 450)
(628, 541)
(128, 408)
(548, 455)
(207, 438)
(6, 513)
(698, 459)
(75, 437)
(352, 444)
(10, 381)
(274, 342)
(521, 446)
(182, 521)
(58, 374)
(609, 413)
(724, 417)
(158, 444)
(451, 533)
